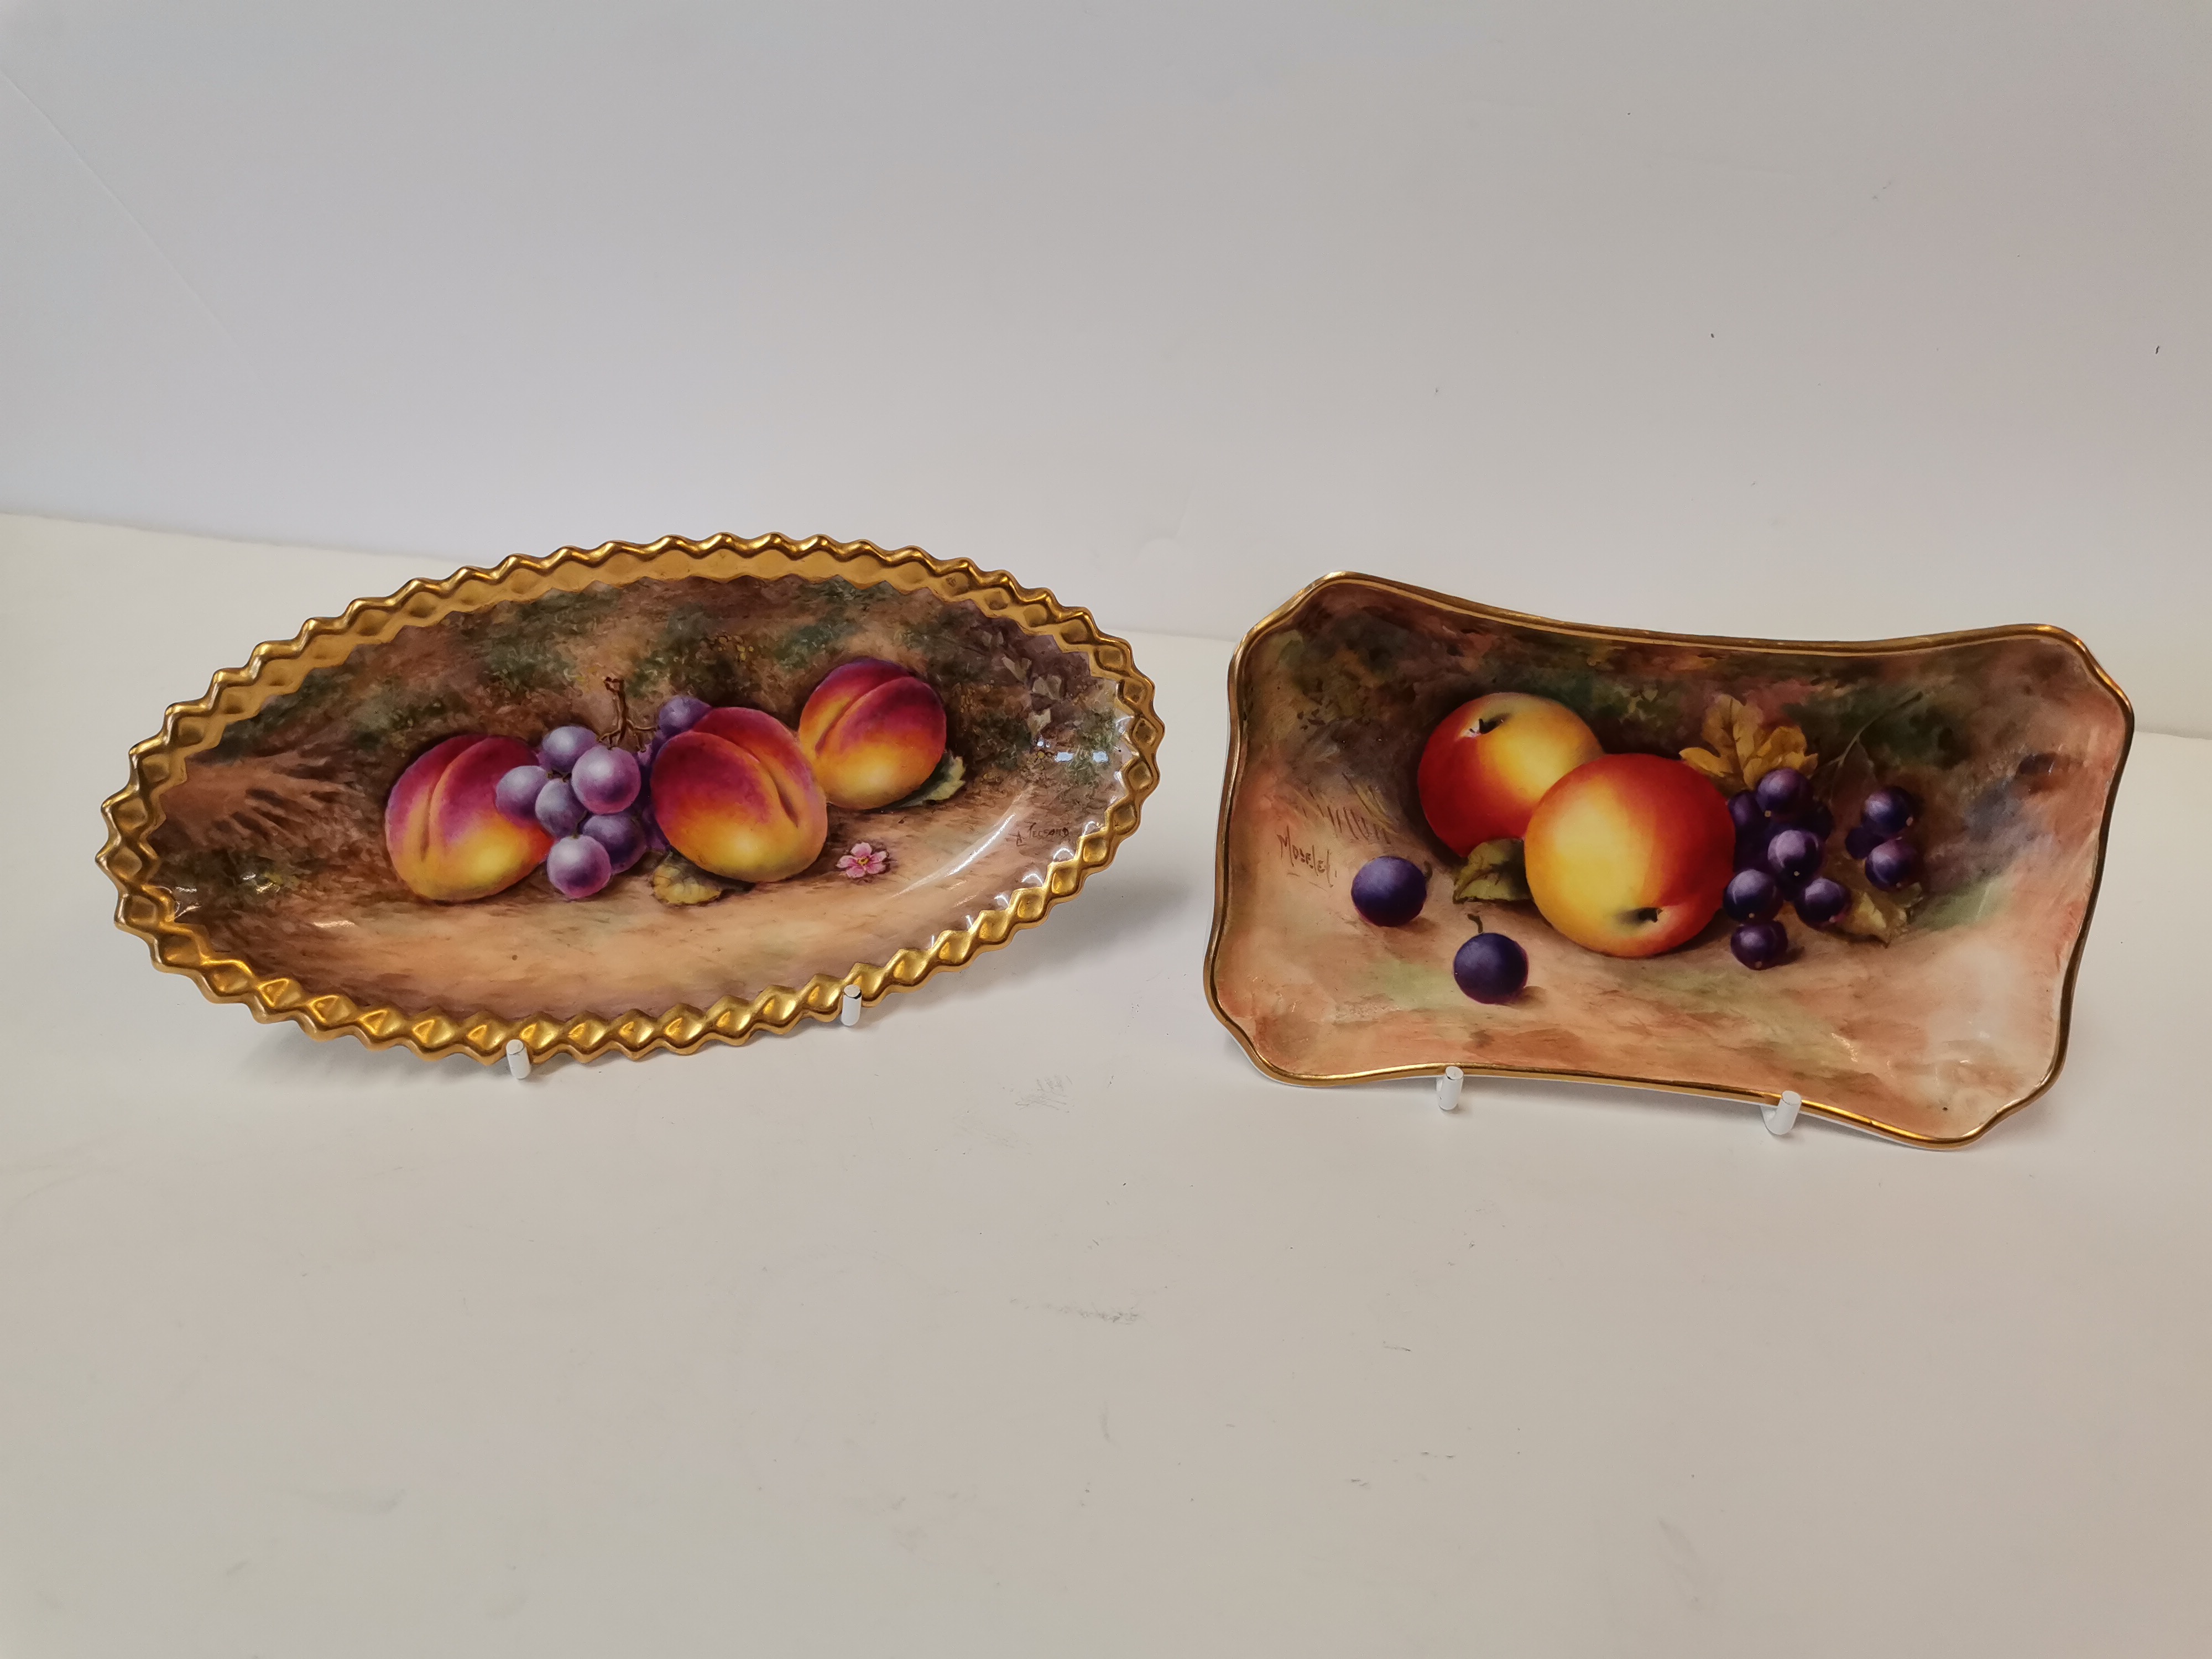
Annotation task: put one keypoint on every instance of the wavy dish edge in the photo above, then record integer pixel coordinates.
(277, 668)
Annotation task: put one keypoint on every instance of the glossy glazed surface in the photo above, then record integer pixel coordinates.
(1927, 1011)
(338, 837)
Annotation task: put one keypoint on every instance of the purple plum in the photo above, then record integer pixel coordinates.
(1389, 891)
(1490, 968)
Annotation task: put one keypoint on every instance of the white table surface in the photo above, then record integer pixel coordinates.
(1029, 1319)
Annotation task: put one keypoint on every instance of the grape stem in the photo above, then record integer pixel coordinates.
(625, 728)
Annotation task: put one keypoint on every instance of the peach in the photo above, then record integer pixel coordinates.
(448, 838)
(874, 731)
(734, 794)
(1489, 762)
(1628, 854)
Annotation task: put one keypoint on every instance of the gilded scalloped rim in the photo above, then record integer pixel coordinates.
(1286, 612)
(279, 666)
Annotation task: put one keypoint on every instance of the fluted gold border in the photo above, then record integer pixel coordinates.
(279, 666)
(1288, 611)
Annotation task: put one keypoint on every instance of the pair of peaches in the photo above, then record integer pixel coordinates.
(735, 791)
(1624, 855)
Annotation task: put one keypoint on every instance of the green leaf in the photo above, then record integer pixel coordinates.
(947, 781)
(677, 880)
(1492, 870)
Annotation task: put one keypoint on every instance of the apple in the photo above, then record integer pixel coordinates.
(1490, 761)
(1629, 855)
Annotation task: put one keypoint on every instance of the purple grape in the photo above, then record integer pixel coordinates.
(1783, 792)
(1760, 943)
(1750, 846)
(578, 866)
(679, 714)
(1862, 841)
(1889, 812)
(1744, 808)
(564, 745)
(558, 811)
(1490, 968)
(1818, 819)
(1793, 854)
(1751, 896)
(605, 779)
(620, 835)
(1892, 864)
(1821, 902)
(1389, 891)
(517, 791)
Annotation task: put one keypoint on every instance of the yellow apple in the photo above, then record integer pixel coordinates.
(1489, 762)
(1628, 854)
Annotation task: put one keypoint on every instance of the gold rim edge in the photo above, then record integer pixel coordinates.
(1286, 611)
(134, 812)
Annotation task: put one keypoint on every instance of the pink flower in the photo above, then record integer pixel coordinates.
(864, 861)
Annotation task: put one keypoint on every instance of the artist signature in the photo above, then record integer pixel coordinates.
(1314, 861)
(1037, 832)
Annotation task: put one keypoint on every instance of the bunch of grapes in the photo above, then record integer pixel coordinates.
(1878, 840)
(1781, 841)
(594, 798)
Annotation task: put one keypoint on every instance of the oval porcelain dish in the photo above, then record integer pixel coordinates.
(635, 797)
(1453, 835)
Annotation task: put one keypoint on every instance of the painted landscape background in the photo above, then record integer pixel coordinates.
(2010, 744)
(273, 841)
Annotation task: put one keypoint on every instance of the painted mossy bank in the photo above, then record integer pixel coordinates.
(653, 809)
(1862, 871)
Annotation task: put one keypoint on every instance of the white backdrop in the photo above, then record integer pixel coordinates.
(1723, 317)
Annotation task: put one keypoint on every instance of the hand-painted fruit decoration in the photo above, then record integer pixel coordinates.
(1490, 761)
(1821, 900)
(1389, 891)
(1760, 943)
(1628, 854)
(1752, 896)
(1792, 856)
(1490, 968)
(733, 791)
(605, 779)
(735, 795)
(448, 838)
(874, 733)
(1892, 864)
(578, 866)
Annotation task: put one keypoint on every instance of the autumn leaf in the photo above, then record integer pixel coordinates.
(1740, 748)
(1492, 870)
(1872, 914)
(677, 880)
(943, 784)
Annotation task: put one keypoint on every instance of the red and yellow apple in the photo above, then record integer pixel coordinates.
(448, 838)
(1489, 762)
(734, 794)
(1628, 854)
(874, 731)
